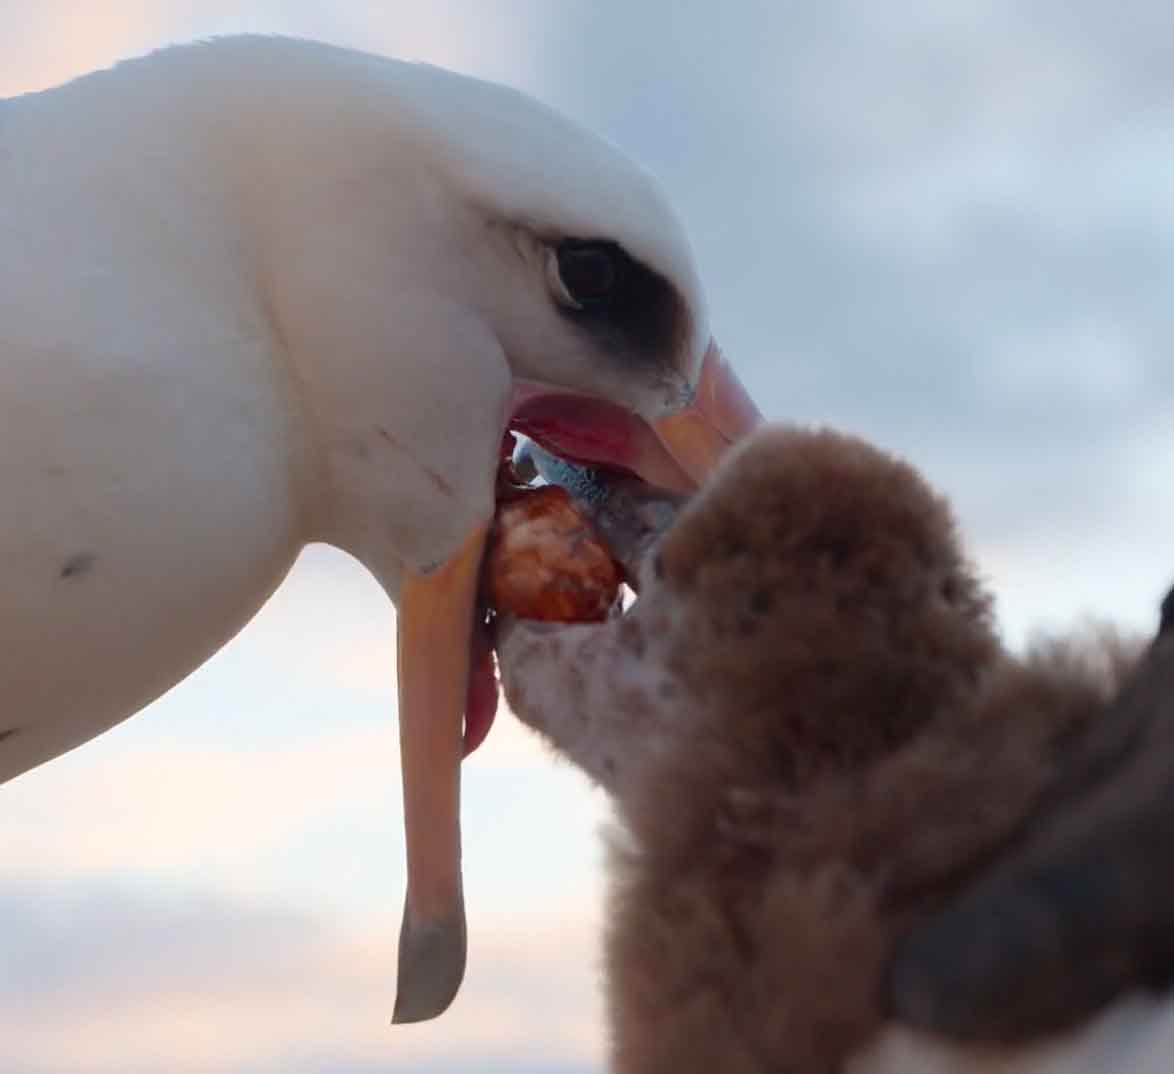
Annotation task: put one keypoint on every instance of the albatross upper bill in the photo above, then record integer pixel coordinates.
(257, 293)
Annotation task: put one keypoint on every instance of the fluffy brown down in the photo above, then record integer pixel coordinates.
(813, 737)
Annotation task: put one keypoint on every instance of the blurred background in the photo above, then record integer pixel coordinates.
(948, 226)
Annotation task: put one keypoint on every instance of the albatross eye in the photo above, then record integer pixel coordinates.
(621, 305)
(586, 275)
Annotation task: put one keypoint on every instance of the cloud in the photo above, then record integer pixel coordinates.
(1110, 561)
(154, 808)
(107, 979)
(320, 818)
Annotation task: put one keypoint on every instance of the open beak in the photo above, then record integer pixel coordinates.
(435, 617)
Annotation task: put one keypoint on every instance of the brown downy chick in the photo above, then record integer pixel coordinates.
(813, 739)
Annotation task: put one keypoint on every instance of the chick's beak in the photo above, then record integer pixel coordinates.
(435, 618)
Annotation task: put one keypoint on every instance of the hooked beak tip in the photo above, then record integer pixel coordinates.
(431, 966)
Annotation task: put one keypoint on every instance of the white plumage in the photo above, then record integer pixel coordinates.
(261, 292)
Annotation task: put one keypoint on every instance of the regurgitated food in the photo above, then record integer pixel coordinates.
(546, 561)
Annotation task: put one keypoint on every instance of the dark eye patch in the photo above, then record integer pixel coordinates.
(626, 306)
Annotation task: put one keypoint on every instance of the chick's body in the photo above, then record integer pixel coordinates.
(813, 738)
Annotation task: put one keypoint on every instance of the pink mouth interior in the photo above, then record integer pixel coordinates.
(481, 698)
(577, 428)
(580, 428)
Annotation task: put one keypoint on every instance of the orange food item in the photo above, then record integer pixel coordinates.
(545, 560)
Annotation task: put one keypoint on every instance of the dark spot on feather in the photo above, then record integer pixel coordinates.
(8, 732)
(632, 636)
(950, 589)
(441, 484)
(1167, 613)
(761, 601)
(434, 476)
(77, 566)
(838, 548)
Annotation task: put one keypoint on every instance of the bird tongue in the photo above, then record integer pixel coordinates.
(481, 699)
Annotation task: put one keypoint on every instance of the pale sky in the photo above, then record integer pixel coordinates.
(948, 226)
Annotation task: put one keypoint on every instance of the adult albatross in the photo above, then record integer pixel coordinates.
(260, 292)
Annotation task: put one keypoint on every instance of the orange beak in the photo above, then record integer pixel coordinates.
(435, 618)
(721, 414)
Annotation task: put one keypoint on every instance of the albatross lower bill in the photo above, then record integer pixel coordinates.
(257, 293)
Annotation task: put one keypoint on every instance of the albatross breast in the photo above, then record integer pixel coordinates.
(147, 439)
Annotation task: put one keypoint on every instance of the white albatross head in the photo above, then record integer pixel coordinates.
(441, 259)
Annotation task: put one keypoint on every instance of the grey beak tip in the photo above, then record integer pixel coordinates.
(431, 966)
